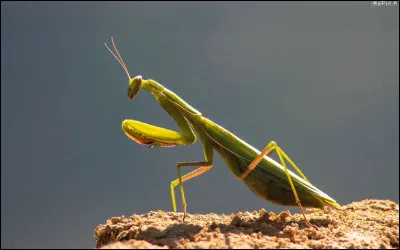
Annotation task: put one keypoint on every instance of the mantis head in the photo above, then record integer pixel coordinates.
(134, 83)
(134, 86)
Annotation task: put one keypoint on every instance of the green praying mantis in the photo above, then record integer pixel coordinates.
(264, 176)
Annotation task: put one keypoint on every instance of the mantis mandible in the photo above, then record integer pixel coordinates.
(264, 176)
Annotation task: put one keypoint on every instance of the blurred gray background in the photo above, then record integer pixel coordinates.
(321, 79)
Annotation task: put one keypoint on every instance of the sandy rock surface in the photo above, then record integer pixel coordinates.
(365, 224)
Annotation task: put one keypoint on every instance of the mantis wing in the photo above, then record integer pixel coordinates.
(248, 153)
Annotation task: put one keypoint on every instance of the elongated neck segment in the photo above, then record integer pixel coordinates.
(156, 89)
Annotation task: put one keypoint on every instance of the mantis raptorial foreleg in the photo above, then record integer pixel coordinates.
(156, 136)
(272, 146)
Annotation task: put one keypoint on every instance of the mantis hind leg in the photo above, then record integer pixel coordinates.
(273, 146)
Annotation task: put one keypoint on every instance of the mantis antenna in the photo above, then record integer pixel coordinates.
(119, 58)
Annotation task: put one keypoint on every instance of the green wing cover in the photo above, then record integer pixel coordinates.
(243, 150)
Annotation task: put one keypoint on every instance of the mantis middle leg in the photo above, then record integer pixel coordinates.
(160, 137)
(204, 166)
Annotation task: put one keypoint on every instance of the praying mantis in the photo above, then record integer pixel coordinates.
(264, 176)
